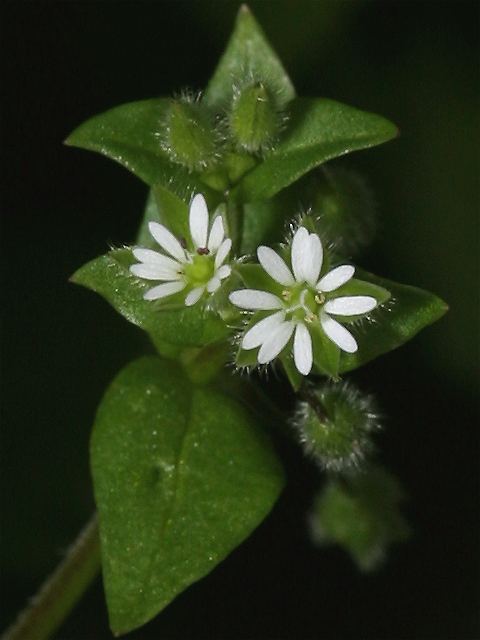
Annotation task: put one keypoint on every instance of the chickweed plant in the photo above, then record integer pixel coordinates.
(244, 263)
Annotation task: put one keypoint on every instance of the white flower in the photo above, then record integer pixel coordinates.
(200, 271)
(305, 300)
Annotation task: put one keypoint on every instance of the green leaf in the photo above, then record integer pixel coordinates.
(110, 277)
(408, 311)
(131, 135)
(318, 130)
(182, 475)
(248, 56)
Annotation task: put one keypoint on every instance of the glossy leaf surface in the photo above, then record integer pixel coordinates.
(165, 321)
(318, 130)
(131, 134)
(407, 312)
(182, 475)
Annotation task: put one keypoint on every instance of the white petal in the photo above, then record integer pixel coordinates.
(164, 290)
(302, 350)
(262, 330)
(199, 221)
(216, 234)
(167, 240)
(275, 344)
(338, 334)
(222, 253)
(313, 259)
(213, 284)
(300, 245)
(153, 257)
(155, 272)
(254, 300)
(275, 266)
(350, 305)
(336, 277)
(223, 272)
(194, 296)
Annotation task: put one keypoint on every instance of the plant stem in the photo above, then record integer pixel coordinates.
(62, 589)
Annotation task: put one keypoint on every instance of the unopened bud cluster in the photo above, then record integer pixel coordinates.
(335, 423)
(198, 138)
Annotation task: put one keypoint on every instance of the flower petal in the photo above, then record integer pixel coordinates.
(199, 221)
(155, 272)
(338, 334)
(223, 272)
(300, 245)
(194, 296)
(336, 277)
(262, 330)
(350, 305)
(276, 342)
(275, 266)
(164, 290)
(149, 256)
(167, 240)
(213, 284)
(217, 233)
(222, 253)
(254, 300)
(313, 259)
(302, 350)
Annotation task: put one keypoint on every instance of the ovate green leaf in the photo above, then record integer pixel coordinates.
(182, 475)
(131, 134)
(407, 312)
(109, 276)
(318, 130)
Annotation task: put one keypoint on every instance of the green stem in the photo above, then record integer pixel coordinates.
(61, 591)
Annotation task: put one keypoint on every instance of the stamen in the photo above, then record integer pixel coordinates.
(286, 294)
(319, 298)
(203, 251)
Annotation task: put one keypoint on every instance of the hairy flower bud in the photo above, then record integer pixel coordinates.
(334, 423)
(190, 136)
(254, 118)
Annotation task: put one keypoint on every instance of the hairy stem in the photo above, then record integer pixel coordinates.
(62, 589)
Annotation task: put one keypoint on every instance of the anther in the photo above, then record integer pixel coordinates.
(203, 251)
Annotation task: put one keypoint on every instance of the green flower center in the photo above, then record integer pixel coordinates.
(303, 303)
(200, 270)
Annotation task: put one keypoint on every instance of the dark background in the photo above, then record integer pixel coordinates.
(415, 63)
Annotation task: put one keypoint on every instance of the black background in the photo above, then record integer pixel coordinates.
(417, 64)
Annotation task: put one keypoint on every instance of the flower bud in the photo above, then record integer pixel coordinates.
(254, 118)
(334, 423)
(346, 208)
(361, 514)
(190, 137)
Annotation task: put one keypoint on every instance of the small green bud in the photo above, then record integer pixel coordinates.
(254, 118)
(346, 209)
(334, 423)
(360, 513)
(190, 136)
